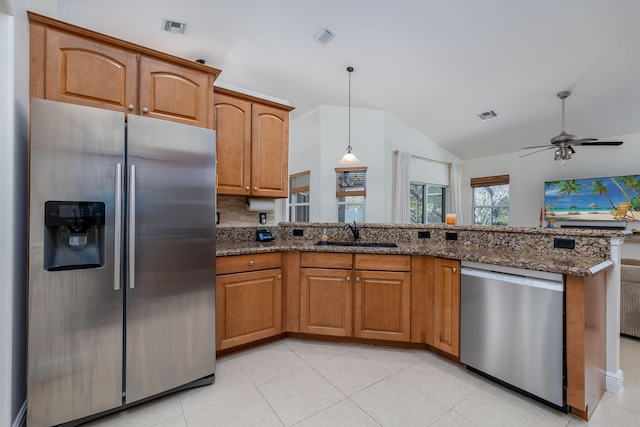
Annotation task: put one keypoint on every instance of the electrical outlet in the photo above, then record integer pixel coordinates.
(299, 232)
(451, 236)
(564, 243)
(263, 217)
(424, 234)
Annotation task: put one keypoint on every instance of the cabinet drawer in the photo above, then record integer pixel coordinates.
(326, 260)
(383, 262)
(243, 263)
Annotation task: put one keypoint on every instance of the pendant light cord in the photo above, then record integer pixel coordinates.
(350, 70)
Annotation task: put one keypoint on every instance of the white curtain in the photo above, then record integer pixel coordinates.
(400, 206)
(454, 200)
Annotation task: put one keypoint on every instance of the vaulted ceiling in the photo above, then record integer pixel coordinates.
(433, 64)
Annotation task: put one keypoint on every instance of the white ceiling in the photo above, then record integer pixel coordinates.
(433, 64)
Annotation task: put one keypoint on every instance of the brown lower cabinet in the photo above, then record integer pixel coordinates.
(248, 304)
(446, 305)
(326, 302)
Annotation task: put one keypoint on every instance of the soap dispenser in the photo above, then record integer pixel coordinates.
(325, 238)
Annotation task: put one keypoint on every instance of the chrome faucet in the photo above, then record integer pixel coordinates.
(354, 230)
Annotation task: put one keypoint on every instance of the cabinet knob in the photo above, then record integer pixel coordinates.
(246, 188)
(255, 188)
(348, 278)
(145, 110)
(251, 262)
(279, 276)
(357, 279)
(130, 107)
(454, 269)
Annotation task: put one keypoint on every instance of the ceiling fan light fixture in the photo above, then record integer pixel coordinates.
(349, 158)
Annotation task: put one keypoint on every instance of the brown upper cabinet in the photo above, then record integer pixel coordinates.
(79, 66)
(252, 145)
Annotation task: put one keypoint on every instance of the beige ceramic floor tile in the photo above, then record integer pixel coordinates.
(392, 403)
(145, 415)
(246, 408)
(344, 414)
(350, 372)
(316, 351)
(391, 359)
(269, 362)
(299, 395)
(230, 379)
(174, 422)
(452, 419)
(492, 406)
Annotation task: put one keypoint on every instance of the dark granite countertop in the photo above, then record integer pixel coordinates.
(565, 263)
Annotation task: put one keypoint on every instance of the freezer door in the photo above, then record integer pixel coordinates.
(170, 302)
(75, 330)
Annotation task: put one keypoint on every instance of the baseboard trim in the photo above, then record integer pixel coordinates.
(21, 418)
(615, 382)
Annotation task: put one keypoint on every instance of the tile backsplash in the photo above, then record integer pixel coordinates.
(233, 213)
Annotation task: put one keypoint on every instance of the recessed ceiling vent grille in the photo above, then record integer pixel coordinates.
(174, 26)
(488, 115)
(324, 36)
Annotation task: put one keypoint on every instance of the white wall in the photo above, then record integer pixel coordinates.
(318, 139)
(14, 61)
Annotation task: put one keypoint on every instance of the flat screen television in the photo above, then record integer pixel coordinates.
(615, 198)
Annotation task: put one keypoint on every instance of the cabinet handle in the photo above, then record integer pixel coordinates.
(357, 279)
(454, 269)
(145, 110)
(279, 276)
(348, 278)
(130, 107)
(251, 262)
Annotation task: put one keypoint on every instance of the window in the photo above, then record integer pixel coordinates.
(490, 204)
(299, 187)
(426, 203)
(351, 185)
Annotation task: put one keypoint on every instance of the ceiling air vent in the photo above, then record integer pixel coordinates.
(324, 36)
(174, 26)
(488, 115)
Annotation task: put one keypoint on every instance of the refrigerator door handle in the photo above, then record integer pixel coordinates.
(132, 227)
(117, 252)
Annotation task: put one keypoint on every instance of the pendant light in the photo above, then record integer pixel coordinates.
(349, 158)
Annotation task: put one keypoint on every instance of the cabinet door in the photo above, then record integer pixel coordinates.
(326, 301)
(446, 310)
(248, 307)
(175, 93)
(79, 71)
(269, 152)
(383, 305)
(233, 131)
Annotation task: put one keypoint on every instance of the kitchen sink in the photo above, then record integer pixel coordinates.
(359, 244)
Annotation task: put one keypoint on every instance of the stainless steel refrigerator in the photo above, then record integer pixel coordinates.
(121, 261)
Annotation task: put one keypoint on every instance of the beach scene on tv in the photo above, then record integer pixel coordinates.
(614, 198)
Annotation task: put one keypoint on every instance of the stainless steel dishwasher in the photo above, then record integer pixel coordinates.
(512, 328)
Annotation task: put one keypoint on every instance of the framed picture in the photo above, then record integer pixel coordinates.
(615, 198)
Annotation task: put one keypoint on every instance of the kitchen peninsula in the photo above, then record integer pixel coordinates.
(294, 285)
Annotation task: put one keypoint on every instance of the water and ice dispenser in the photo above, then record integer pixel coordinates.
(74, 235)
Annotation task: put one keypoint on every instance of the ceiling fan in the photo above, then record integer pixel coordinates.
(564, 142)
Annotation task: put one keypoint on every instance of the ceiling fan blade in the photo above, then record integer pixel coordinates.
(534, 152)
(595, 142)
(536, 146)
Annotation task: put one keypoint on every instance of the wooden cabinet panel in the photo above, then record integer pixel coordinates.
(269, 152)
(326, 302)
(252, 145)
(233, 133)
(446, 306)
(84, 72)
(171, 92)
(342, 261)
(382, 262)
(246, 263)
(248, 307)
(383, 305)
